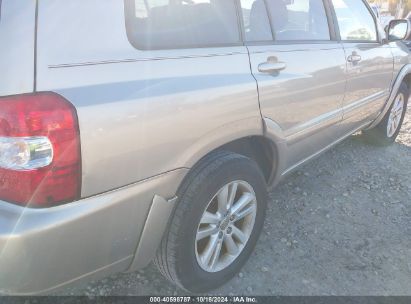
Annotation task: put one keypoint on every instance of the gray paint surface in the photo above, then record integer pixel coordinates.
(147, 117)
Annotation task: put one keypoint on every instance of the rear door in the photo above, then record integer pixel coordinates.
(369, 62)
(300, 70)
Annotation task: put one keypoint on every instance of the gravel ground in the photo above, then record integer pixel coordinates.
(340, 226)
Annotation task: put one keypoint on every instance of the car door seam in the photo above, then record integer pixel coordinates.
(257, 86)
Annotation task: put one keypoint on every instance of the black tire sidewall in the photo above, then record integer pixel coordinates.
(198, 195)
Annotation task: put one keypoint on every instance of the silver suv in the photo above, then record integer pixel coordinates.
(136, 130)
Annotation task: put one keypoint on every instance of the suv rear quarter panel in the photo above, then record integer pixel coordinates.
(17, 46)
(141, 113)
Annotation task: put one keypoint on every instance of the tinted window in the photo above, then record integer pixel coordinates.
(299, 19)
(168, 24)
(355, 20)
(256, 23)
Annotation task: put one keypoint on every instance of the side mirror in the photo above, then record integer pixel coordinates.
(398, 29)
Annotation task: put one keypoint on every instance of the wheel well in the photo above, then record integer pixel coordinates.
(407, 80)
(258, 148)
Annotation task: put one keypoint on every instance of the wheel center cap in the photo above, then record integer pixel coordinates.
(225, 223)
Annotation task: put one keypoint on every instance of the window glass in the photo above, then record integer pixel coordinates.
(299, 19)
(167, 24)
(355, 20)
(256, 23)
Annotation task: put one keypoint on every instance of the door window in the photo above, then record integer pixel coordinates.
(294, 20)
(355, 21)
(255, 19)
(169, 24)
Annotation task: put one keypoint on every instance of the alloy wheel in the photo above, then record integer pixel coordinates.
(394, 120)
(226, 226)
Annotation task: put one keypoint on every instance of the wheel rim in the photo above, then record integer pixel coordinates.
(394, 119)
(226, 226)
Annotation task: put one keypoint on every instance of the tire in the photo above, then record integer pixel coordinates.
(178, 257)
(381, 134)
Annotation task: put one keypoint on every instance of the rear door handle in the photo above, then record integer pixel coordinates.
(354, 58)
(272, 65)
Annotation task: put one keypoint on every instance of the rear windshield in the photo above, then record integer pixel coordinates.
(169, 24)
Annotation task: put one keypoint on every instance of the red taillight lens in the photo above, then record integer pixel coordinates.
(40, 143)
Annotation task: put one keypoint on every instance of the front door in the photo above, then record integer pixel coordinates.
(369, 62)
(300, 71)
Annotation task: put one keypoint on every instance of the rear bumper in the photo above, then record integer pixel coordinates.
(42, 250)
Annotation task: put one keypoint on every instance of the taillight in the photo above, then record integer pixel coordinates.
(40, 162)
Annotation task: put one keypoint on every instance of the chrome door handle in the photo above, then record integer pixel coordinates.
(272, 65)
(354, 58)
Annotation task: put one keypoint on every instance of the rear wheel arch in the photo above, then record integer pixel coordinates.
(407, 80)
(258, 148)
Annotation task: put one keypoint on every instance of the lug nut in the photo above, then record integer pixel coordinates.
(229, 230)
(232, 218)
(220, 235)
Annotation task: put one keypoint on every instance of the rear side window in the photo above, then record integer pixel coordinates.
(255, 19)
(171, 24)
(299, 20)
(355, 21)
